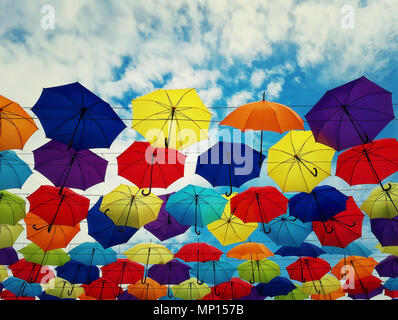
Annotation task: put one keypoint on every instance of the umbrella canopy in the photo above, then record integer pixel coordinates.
(165, 226)
(66, 167)
(128, 207)
(31, 272)
(278, 286)
(362, 267)
(263, 270)
(172, 118)
(123, 271)
(353, 249)
(104, 230)
(17, 126)
(259, 204)
(385, 230)
(22, 288)
(381, 204)
(334, 295)
(59, 236)
(215, 272)
(75, 116)
(322, 286)
(388, 267)
(249, 251)
(340, 119)
(389, 249)
(150, 290)
(9, 234)
(363, 285)
(229, 228)
(233, 289)
(12, 208)
(8, 256)
(367, 295)
(13, 171)
(77, 272)
(321, 204)
(126, 296)
(190, 290)
(8, 295)
(33, 253)
(172, 272)
(229, 164)
(304, 250)
(199, 251)
(102, 289)
(92, 253)
(3, 273)
(295, 294)
(308, 269)
(149, 167)
(298, 163)
(196, 206)
(63, 289)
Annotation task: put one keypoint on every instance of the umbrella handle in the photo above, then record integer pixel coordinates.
(197, 231)
(71, 291)
(143, 280)
(216, 293)
(199, 282)
(388, 188)
(36, 228)
(266, 231)
(229, 193)
(121, 228)
(251, 281)
(146, 194)
(331, 230)
(316, 289)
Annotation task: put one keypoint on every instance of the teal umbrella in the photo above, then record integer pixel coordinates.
(353, 249)
(13, 171)
(22, 288)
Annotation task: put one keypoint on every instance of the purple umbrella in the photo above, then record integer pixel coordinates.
(254, 295)
(388, 267)
(385, 230)
(165, 226)
(126, 296)
(351, 114)
(367, 295)
(69, 168)
(8, 256)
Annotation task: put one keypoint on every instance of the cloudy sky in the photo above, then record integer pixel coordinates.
(229, 50)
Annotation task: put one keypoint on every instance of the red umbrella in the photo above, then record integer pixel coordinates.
(123, 271)
(308, 269)
(31, 272)
(102, 289)
(363, 285)
(341, 229)
(58, 206)
(259, 204)
(8, 295)
(391, 294)
(146, 166)
(234, 289)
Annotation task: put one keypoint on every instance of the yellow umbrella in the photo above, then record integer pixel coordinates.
(174, 118)
(388, 249)
(190, 290)
(229, 228)
(128, 207)
(63, 289)
(381, 203)
(298, 163)
(324, 286)
(3, 273)
(9, 234)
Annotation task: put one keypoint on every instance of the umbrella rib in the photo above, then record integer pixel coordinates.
(151, 115)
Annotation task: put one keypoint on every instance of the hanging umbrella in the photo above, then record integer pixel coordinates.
(31, 272)
(13, 171)
(363, 285)
(149, 167)
(128, 207)
(368, 294)
(8, 256)
(295, 294)
(304, 250)
(8, 295)
(389, 249)
(102, 289)
(92, 253)
(229, 164)
(66, 167)
(385, 230)
(254, 295)
(321, 204)
(233, 289)
(123, 271)
(104, 230)
(379, 204)
(229, 228)
(353, 249)
(211, 296)
(63, 289)
(126, 296)
(340, 119)
(77, 272)
(150, 290)
(12, 208)
(172, 118)
(215, 272)
(362, 267)
(59, 236)
(264, 116)
(298, 163)
(259, 204)
(334, 295)
(17, 126)
(342, 229)
(322, 286)
(277, 286)
(58, 207)
(392, 294)
(165, 226)
(73, 115)
(190, 290)
(388, 267)
(263, 270)
(33, 253)
(196, 206)
(9, 234)
(22, 288)
(149, 253)
(249, 251)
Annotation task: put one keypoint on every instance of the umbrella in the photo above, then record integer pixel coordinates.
(341, 229)
(8, 295)
(33, 253)
(229, 228)
(334, 295)
(173, 118)
(389, 249)
(322, 203)
(259, 204)
(31, 272)
(379, 205)
(102, 289)
(92, 253)
(165, 226)
(295, 294)
(9, 234)
(58, 207)
(322, 286)
(391, 284)
(359, 267)
(59, 236)
(388, 267)
(196, 206)
(128, 207)
(385, 230)
(104, 230)
(215, 272)
(8, 256)
(190, 289)
(264, 116)
(123, 271)
(263, 270)
(363, 285)
(392, 294)
(73, 115)
(3, 273)
(22, 288)
(126, 296)
(353, 249)
(13, 171)
(211, 296)
(254, 295)
(340, 119)
(278, 286)
(77, 272)
(150, 290)
(17, 126)
(149, 167)
(66, 167)
(229, 164)
(63, 289)
(12, 208)
(367, 295)
(298, 163)
(233, 289)
(249, 250)
(149, 253)
(304, 250)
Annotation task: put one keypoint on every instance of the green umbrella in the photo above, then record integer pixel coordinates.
(33, 253)
(296, 294)
(9, 234)
(190, 290)
(12, 208)
(63, 289)
(3, 273)
(259, 270)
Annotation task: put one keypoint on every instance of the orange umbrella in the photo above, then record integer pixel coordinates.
(58, 237)
(16, 125)
(264, 116)
(150, 290)
(334, 295)
(354, 266)
(249, 251)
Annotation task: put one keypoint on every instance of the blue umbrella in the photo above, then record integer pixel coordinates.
(322, 203)
(104, 230)
(75, 116)
(304, 250)
(391, 284)
(286, 230)
(196, 206)
(13, 171)
(278, 286)
(22, 288)
(92, 253)
(45, 296)
(214, 272)
(78, 273)
(229, 164)
(353, 249)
